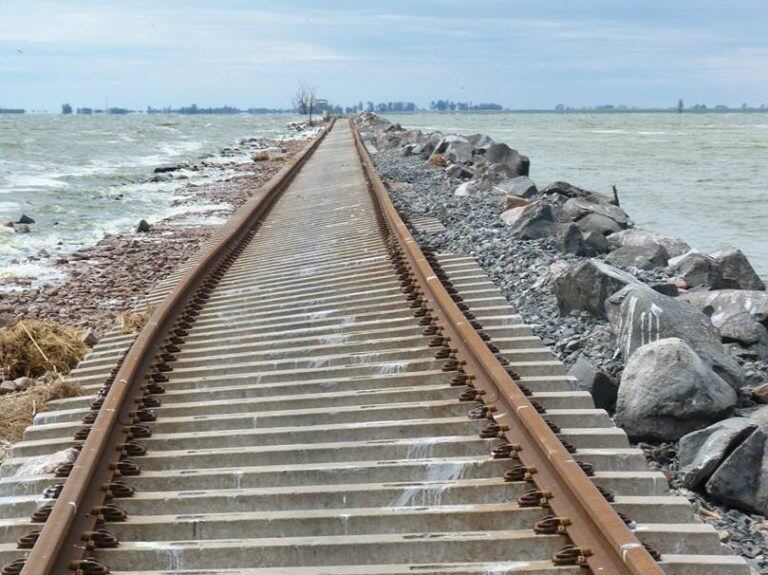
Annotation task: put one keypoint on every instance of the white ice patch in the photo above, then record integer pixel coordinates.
(46, 464)
(392, 368)
(426, 495)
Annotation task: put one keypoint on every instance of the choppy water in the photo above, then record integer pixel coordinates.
(81, 177)
(703, 177)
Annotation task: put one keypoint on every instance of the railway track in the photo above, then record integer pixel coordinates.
(315, 395)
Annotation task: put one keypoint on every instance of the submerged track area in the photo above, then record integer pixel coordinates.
(315, 395)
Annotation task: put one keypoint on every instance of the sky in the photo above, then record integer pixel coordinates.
(519, 53)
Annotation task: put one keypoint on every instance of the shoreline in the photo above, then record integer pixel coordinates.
(529, 255)
(97, 283)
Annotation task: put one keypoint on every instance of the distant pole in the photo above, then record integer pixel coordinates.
(680, 106)
(616, 196)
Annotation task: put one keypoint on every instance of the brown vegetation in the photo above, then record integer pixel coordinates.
(33, 348)
(133, 321)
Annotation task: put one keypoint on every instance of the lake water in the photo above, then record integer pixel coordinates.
(699, 176)
(81, 177)
(703, 177)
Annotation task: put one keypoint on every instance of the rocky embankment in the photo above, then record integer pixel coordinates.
(103, 281)
(672, 341)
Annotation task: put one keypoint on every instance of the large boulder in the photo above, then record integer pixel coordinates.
(736, 271)
(569, 239)
(640, 315)
(646, 239)
(739, 327)
(458, 152)
(700, 452)
(697, 270)
(480, 142)
(667, 391)
(641, 258)
(742, 479)
(578, 208)
(521, 186)
(427, 147)
(531, 222)
(518, 164)
(563, 191)
(728, 302)
(585, 285)
(594, 244)
(446, 141)
(592, 379)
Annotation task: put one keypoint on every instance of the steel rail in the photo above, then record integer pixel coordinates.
(602, 540)
(64, 540)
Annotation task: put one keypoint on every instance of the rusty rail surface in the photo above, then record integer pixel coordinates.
(601, 539)
(73, 523)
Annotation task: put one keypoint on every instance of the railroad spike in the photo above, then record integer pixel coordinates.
(551, 525)
(13, 568)
(571, 555)
(90, 566)
(28, 541)
(101, 539)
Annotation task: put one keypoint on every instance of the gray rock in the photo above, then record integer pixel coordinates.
(641, 258)
(665, 288)
(594, 244)
(728, 302)
(502, 154)
(640, 315)
(598, 223)
(521, 186)
(6, 223)
(25, 219)
(569, 239)
(667, 391)
(480, 142)
(742, 479)
(446, 141)
(531, 222)
(700, 452)
(739, 327)
(596, 382)
(578, 208)
(427, 148)
(458, 152)
(166, 169)
(564, 191)
(697, 269)
(647, 239)
(88, 337)
(8, 386)
(736, 271)
(22, 229)
(143, 227)
(585, 285)
(24, 382)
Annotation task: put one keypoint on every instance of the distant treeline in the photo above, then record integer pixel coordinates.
(448, 106)
(194, 109)
(12, 111)
(188, 110)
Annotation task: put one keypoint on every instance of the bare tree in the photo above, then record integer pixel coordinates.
(304, 100)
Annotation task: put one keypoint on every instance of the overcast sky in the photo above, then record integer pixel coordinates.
(520, 53)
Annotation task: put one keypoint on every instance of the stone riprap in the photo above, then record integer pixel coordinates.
(570, 258)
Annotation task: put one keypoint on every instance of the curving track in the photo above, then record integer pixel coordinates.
(314, 395)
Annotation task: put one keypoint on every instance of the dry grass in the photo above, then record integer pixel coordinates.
(33, 348)
(437, 160)
(19, 409)
(132, 322)
(260, 157)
